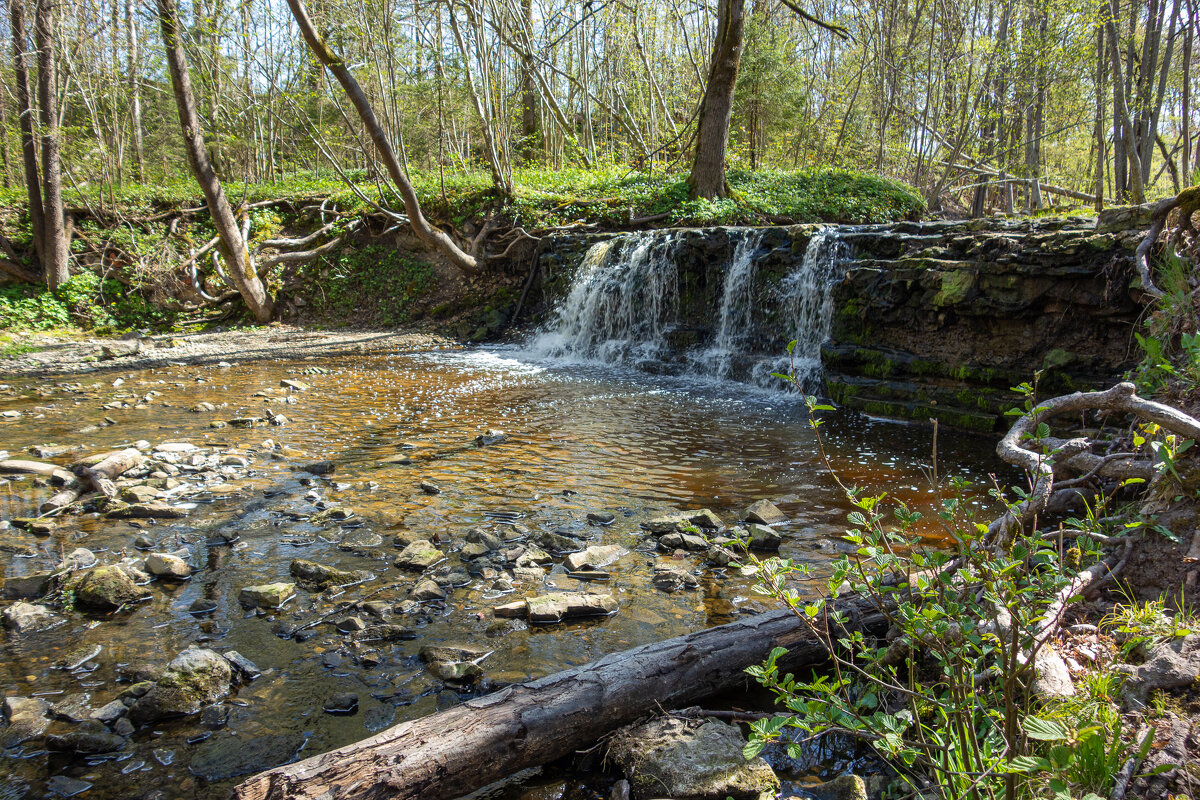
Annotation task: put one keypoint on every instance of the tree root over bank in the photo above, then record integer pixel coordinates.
(454, 752)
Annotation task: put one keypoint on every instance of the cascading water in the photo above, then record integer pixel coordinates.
(624, 302)
(806, 306)
(621, 303)
(735, 316)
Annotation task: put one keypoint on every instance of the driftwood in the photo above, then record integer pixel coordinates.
(454, 752)
(23, 467)
(100, 476)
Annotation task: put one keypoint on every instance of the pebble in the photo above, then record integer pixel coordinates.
(345, 703)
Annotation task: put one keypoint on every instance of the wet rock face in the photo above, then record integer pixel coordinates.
(697, 759)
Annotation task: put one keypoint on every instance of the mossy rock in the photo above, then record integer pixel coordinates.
(107, 588)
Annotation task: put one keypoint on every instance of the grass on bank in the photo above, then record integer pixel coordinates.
(549, 198)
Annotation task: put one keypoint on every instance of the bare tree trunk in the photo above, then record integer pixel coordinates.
(55, 253)
(1186, 110)
(427, 233)
(5, 155)
(33, 183)
(233, 244)
(1101, 149)
(133, 66)
(707, 178)
(530, 113)
(1133, 169)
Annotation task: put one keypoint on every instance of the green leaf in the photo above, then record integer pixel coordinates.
(1028, 764)
(1044, 730)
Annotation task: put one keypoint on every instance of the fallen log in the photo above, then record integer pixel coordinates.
(101, 475)
(16, 466)
(454, 752)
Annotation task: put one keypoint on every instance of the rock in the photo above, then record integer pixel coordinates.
(1052, 676)
(25, 617)
(594, 557)
(534, 556)
(27, 587)
(427, 589)
(80, 558)
(119, 349)
(843, 787)
(518, 609)
(165, 565)
(194, 679)
(683, 522)
(420, 555)
(718, 556)
(673, 577)
(568, 605)
(765, 512)
(490, 437)
(1172, 664)
(36, 526)
(154, 510)
(202, 608)
(763, 537)
(320, 468)
(224, 757)
(600, 517)
(244, 667)
(473, 550)
(175, 447)
(63, 786)
(345, 703)
(86, 742)
(26, 717)
(295, 386)
(350, 625)
(319, 576)
(557, 543)
(377, 608)
(73, 708)
(682, 541)
(455, 671)
(108, 587)
(690, 758)
(268, 595)
(138, 494)
(430, 488)
(214, 717)
(110, 712)
(490, 540)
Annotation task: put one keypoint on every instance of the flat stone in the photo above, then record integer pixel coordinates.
(85, 742)
(673, 577)
(345, 703)
(843, 787)
(430, 488)
(63, 786)
(243, 666)
(73, 708)
(568, 605)
(138, 494)
(765, 512)
(683, 522)
(388, 633)
(268, 595)
(600, 517)
(175, 447)
(320, 468)
(516, 610)
(594, 557)
(295, 386)
(27, 719)
(420, 555)
(682, 541)
(153, 510)
(350, 625)
(27, 587)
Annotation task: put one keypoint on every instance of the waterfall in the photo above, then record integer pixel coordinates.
(806, 306)
(624, 304)
(622, 301)
(735, 316)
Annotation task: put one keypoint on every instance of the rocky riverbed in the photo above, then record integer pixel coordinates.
(300, 552)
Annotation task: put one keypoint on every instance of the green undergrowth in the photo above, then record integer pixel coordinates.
(85, 301)
(373, 285)
(607, 196)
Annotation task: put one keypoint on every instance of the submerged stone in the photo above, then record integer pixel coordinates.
(108, 587)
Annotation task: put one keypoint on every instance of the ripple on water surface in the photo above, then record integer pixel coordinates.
(580, 439)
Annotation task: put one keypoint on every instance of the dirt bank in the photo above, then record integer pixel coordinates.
(53, 354)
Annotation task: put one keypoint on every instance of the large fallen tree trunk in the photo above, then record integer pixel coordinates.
(454, 752)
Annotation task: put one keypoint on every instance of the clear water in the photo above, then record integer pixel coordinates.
(582, 438)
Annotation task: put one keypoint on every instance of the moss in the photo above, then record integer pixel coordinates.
(955, 288)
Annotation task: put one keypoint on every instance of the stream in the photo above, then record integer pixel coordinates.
(578, 438)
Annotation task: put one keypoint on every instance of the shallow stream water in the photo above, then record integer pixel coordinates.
(580, 439)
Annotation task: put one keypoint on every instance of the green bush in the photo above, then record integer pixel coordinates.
(377, 285)
(33, 308)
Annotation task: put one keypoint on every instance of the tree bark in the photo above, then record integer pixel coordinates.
(432, 236)
(55, 252)
(33, 183)
(133, 64)
(707, 178)
(233, 244)
(454, 752)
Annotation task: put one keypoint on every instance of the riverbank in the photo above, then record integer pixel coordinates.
(71, 353)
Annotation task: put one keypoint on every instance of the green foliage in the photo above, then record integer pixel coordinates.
(1144, 624)
(33, 308)
(944, 699)
(377, 284)
(1171, 344)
